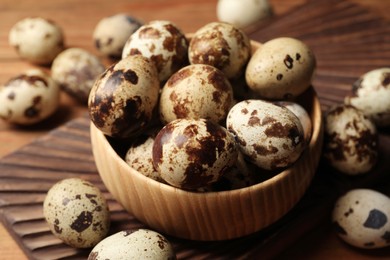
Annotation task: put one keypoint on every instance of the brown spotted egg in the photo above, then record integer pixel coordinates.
(351, 140)
(163, 43)
(361, 218)
(196, 91)
(270, 136)
(193, 153)
(77, 212)
(29, 98)
(371, 94)
(111, 33)
(134, 244)
(37, 39)
(123, 98)
(75, 70)
(221, 45)
(280, 69)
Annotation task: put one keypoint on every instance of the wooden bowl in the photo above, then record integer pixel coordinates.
(211, 215)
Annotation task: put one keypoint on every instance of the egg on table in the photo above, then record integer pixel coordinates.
(111, 33)
(268, 135)
(371, 94)
(193, 153)
(123, 98)
(77, 212)
(282, 68)
(29, 98)
(351, 140)
(36, 39)
(162, 42)
(221, 45)
(134, 244)
(361, 218)
(196, 91)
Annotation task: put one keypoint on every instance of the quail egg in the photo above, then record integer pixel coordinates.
(77, 212)
(371, 94)
(134, 244)
(75, 70)
(361, 218)
(112, 32)
(37, 39)
(196, 91)
(193, 153)
(351, 140)
(268, 135)
(123, 98)
(221, 45)
(29, 98)
(281, 69)
(163, 43)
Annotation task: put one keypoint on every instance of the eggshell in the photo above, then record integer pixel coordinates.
(351, 144)
(281, 69)
(37, 39)
(29, 98)
(196, 91)
(111, 33)
(371, 94)
(193, 153)
(76, 70)
(77, 212)
(269, 135)
(123, 98)
(221, 45)
(361, 218)
(243, 13)
(133, 244)
(163, 43)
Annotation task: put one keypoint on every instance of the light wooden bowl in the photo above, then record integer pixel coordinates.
(213, 215)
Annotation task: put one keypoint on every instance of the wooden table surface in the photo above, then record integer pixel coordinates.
(78, 19)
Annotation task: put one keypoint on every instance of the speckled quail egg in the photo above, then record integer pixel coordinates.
(361, 218)
(221, 45)
(37, 39)
(162, 42)
(123, 98)
(303, 116)
(112, 32)
(139, 155)
(281, 68)
(371, 94)
(76, 70)
(134, 244)
(77, 212)
(351, 144)
(196, 91)
(270, 136)
(242, 13)
(29, 98)
(193, 153)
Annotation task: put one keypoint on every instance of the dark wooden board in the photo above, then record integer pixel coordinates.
(347, 39)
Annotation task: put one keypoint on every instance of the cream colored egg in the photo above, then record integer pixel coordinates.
(29, 98)
(281, 68)
(134, 244)
(361, 218)
(37, 39)
(163, 43)
(77, 212)
(371, 94)
(221, 45)
(196, 91)
(193, 153)
(270, 136)
(123, 98)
